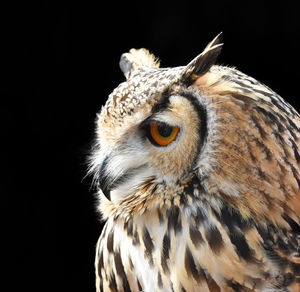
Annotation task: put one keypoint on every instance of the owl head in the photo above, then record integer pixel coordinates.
(166, 127)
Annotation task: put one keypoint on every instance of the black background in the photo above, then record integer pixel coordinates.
(59, 64)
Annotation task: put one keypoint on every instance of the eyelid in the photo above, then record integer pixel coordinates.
(145, 124)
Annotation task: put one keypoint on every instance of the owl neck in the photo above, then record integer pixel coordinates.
(188, 194)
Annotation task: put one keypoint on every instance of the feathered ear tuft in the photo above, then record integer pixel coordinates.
(202, 63)
(136, 58)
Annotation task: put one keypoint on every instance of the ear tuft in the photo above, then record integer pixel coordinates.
(202, 63)
(136, 58)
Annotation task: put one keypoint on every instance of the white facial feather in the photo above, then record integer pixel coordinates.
(132, 184)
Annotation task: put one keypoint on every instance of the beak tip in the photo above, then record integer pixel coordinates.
(106, 191)
(103, 180)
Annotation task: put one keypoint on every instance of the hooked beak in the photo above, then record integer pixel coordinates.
(107, 182)
(104, 180)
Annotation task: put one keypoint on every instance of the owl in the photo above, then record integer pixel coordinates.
(198, 171)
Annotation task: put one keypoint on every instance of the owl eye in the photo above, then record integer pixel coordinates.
(161, 134)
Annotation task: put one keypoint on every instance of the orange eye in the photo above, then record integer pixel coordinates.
(162, 134)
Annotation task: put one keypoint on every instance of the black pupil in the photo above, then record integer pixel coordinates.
(164, 130)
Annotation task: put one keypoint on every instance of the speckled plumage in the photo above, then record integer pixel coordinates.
(215, 210)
